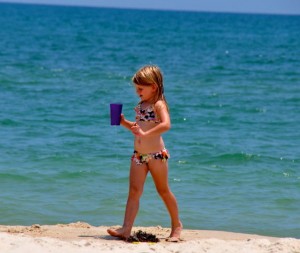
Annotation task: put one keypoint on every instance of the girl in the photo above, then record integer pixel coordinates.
(150, 154)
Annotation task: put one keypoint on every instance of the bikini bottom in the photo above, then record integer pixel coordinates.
(145, 158)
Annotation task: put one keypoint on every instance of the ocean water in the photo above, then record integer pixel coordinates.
(233, 85)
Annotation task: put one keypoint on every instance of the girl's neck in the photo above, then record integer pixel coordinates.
(149, 101)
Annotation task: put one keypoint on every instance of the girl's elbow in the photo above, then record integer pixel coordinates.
(167, 126)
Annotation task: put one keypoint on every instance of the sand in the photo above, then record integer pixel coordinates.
(81, 237)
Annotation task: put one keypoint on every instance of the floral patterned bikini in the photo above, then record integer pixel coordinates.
(148, 115)
(140, 159)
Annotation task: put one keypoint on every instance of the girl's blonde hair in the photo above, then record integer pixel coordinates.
(149, 75)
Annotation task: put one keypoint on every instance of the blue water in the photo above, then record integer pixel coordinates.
(233, 86)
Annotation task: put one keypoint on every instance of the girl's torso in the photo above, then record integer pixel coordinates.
(147, 118)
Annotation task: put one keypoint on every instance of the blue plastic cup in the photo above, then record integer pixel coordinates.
(115, 114)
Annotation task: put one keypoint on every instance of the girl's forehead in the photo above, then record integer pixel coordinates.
(142, 86)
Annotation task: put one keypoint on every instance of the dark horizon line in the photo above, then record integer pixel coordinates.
(150, 9)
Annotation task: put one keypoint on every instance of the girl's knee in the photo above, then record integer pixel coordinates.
(135, 192)
(164, 192)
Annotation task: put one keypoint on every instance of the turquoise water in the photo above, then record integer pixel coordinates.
(232, 83)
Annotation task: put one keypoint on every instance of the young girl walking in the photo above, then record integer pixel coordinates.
(150, 155)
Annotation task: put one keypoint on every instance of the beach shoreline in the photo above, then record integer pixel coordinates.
(83, 237)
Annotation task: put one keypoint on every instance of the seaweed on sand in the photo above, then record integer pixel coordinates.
(141, 236)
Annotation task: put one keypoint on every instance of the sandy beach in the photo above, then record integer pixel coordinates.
(82, 237)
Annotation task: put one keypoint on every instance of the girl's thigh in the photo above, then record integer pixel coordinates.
(138, 174)
(159, 172)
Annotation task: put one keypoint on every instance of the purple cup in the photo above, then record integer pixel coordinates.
(115, 114)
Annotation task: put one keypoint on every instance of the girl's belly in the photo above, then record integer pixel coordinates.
(146, 145)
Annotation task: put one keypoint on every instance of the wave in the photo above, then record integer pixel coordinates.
(9, 122)
(12, 177)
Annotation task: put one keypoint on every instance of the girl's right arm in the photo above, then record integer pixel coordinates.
(126, 123)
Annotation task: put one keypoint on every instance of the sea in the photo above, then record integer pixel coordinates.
(232, 82)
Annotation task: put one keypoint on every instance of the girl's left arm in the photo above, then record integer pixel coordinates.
(164, 125)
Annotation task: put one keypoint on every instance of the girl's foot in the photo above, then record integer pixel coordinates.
(120, 233)
(175, 234)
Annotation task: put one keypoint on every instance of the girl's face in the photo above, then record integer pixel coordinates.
(145, 92)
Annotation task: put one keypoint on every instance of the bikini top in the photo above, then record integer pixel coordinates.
(147, 114)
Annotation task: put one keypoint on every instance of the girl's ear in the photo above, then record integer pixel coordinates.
(154, 87)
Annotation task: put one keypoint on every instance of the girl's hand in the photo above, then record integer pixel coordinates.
(136, 130)
(122, 119)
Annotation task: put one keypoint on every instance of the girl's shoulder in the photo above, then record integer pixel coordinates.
(160, 105)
